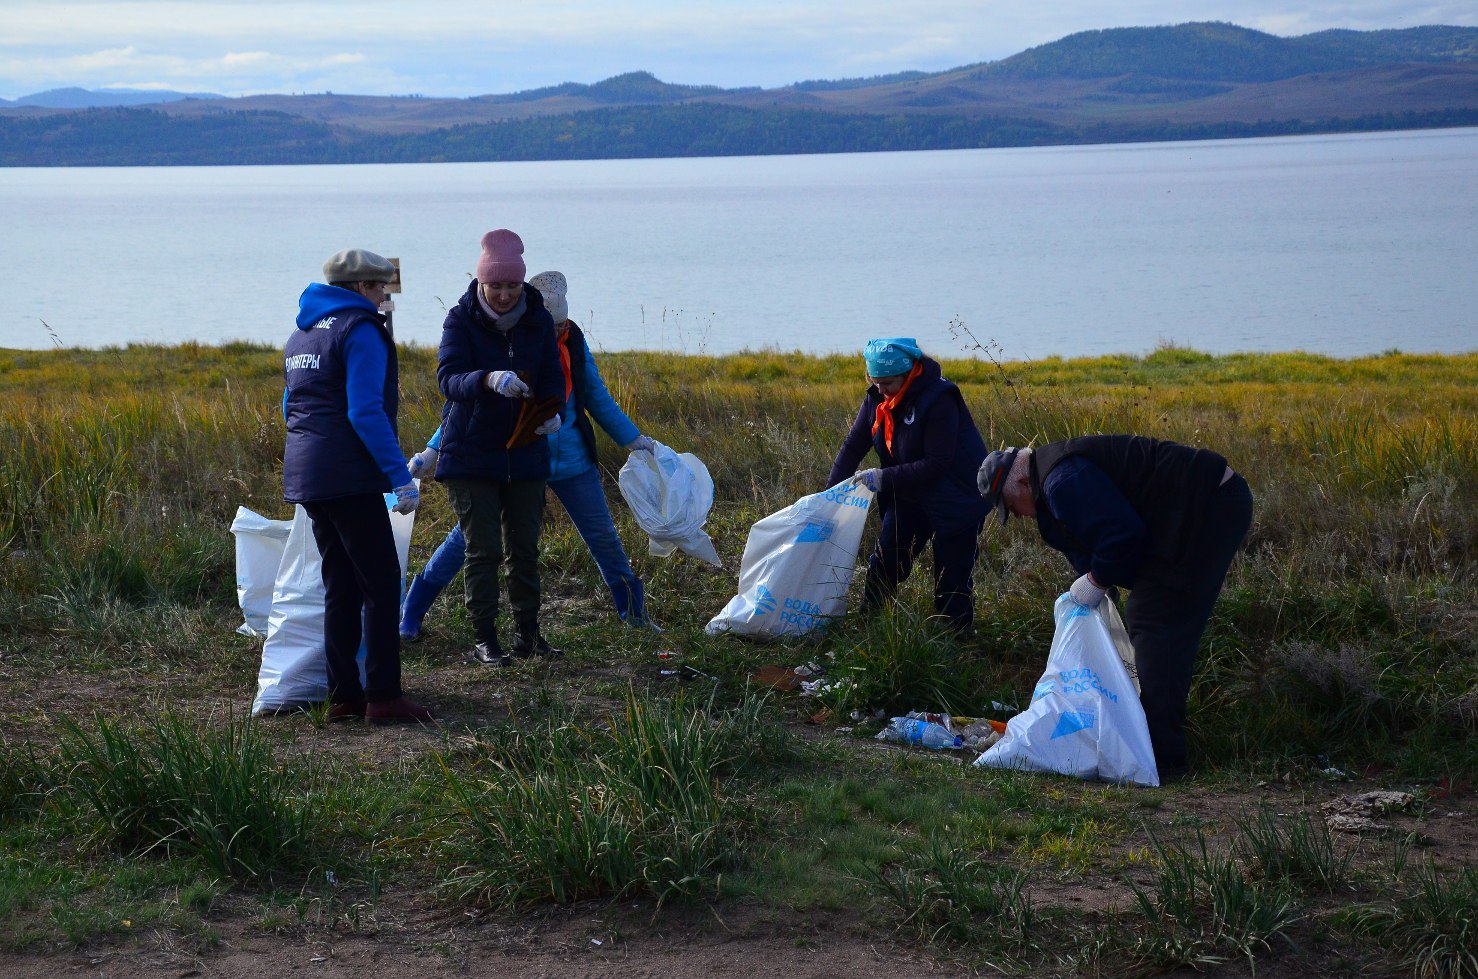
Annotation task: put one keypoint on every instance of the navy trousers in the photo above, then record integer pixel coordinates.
(906, 530)
(361, 577)
(1167, 613)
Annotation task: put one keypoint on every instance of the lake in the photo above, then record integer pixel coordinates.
(1342, 245)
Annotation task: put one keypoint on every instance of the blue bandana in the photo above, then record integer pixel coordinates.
(889, 358)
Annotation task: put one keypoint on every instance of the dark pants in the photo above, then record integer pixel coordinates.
(1168, 610)
(361, 577)
(906, 529)
(500, 520)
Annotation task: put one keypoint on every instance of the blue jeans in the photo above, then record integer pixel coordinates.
(585, 501)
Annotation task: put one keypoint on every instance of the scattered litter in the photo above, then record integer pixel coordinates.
(858, 716)
(822, 716)
(668, 654)
(815, 688)
(1360, 813)
(809, 670)
(596, 941)
(776, 677)
(1006, 708)
(1336, 773)
(913, 730)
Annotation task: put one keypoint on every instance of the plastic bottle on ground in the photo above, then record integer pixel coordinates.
(911, 730)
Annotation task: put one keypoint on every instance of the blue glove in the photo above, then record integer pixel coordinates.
(641, 443)
(407, 498)
(871, 478)
(1086, 593)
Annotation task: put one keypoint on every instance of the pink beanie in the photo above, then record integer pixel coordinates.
(502, 257)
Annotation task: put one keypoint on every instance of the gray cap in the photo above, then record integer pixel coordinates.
(358, 265)
(991, 479)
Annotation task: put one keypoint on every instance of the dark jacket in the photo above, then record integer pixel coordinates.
(477, 423)
(1116, 504)
(936, 449)
(340, 400)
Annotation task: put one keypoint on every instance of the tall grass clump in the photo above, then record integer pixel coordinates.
(898, 660)
(945, 894)
(1300, 851)
(181, 788)
(1431, 932)
(558, 812)
(24, 778)
(1201, 910)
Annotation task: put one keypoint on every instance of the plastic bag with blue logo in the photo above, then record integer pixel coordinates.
(1085, 718)
(797, 567)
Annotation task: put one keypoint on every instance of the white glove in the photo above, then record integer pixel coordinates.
(507, 384)
(1085, 592)
(550, 427)
(422, 462)
(871, 478)
(407, 498)
(641, 443)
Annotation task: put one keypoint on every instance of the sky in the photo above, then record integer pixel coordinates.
(458, 48)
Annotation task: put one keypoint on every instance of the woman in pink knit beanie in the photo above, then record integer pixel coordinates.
(498, 352)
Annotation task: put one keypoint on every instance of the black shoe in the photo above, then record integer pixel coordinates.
(527, 644)
(488, 654)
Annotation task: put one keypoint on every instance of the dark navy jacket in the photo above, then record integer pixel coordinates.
(340, 402)
(1115, 504)
(477, 422)
(936, 449)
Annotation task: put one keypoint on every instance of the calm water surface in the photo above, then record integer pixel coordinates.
(1340, 245)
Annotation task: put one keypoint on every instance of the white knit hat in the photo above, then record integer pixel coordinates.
(552, 288)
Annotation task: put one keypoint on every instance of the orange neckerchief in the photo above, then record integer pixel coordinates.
(564, 362)
(884, 415)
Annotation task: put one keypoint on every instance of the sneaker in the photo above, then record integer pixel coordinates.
(349, 710)
(398, 711)
(488, 654)
(528, 644)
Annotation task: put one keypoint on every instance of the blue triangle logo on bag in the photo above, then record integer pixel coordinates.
(1071, 722)
(764, 601)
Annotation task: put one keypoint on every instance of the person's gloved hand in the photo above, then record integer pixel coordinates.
(871, 478)
(550, 427)
(422, 462)
(641, 443)
(506, 383)
(407, 498)
(1086, 592)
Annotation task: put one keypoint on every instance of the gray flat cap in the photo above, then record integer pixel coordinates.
(358, 265)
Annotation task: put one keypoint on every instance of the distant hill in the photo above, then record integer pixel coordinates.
(1190, 81)
(81, 98)
(1226, 53)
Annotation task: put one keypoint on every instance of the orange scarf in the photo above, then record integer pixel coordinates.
(564, 362)
(884, 416)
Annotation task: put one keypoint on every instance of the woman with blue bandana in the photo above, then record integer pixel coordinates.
(929, 452)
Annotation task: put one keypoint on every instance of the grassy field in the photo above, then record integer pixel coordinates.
(135, 795)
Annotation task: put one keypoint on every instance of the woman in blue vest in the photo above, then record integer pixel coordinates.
(928, 451)
(573, 475)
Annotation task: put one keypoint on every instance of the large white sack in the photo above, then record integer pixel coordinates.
(797, 566)
(294, 672)
(259, 544)
(1085, 718)
(670, 495)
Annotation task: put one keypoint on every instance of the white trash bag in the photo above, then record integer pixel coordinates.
(797, 566)
(1085, 718)
(670, 495)
(259, 544)
(294, 672)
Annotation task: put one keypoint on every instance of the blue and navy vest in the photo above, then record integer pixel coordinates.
(325, 458)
